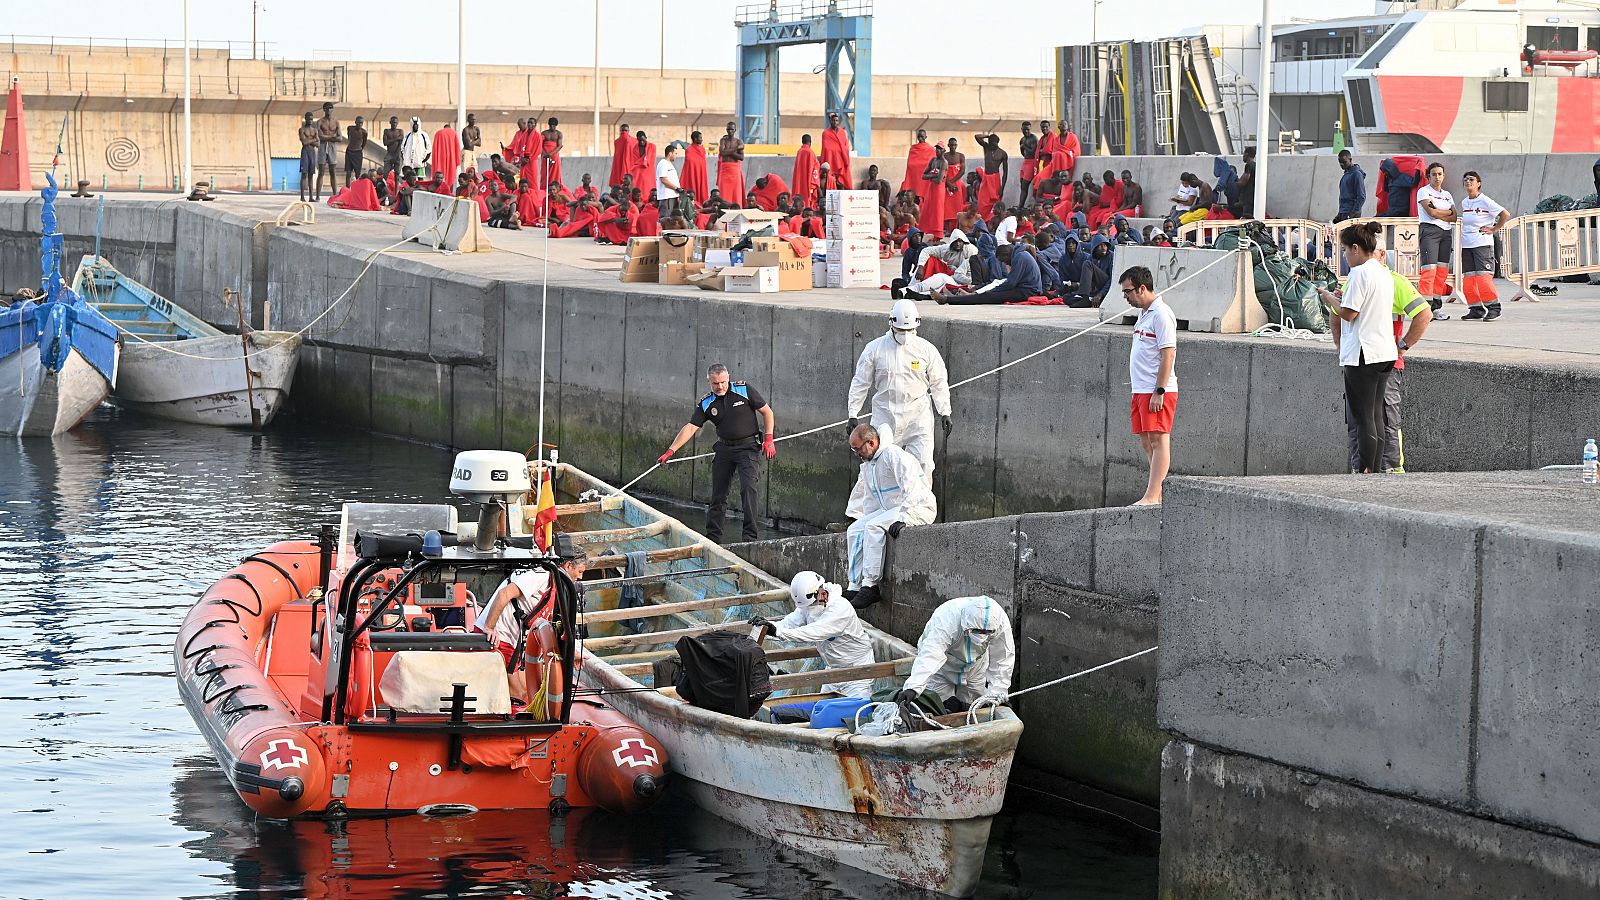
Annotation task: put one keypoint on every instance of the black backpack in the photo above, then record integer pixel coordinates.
(724, 672)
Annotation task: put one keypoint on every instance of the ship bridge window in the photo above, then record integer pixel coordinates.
(1505, 96)
(1549, 37)
(1594, 39)
(1381, 49)
(1361, 103)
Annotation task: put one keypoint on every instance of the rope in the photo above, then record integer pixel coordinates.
(1065, 678)
(371, 259)
(965, 381)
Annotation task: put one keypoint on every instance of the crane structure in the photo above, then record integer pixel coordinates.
(844, 27)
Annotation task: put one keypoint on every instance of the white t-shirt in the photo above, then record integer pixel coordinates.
(1186, 197)
(1441, 199)
(665, 170)
(1370, 292)
(1477, 212)
(532, 583)
(1156, 330)
(1004, 231)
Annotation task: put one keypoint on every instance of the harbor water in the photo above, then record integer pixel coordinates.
(109, 534)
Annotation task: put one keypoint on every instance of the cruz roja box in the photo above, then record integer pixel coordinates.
(750, 280)
(850, 201)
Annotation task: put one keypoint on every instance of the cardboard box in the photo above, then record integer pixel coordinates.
(722, 259)
(851, 201)
(638, 269)
(794, 272)
(852, 226)
(679, 247)
(643, 248)
(678, 272)
(741, 220)
(853, 247)
(708, 280)
(750, 280)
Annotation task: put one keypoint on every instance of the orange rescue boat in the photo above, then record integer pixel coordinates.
(338, 676)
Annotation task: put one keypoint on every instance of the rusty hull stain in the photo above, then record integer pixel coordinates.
(863, 790)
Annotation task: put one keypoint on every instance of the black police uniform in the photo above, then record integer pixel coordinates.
(738, 447)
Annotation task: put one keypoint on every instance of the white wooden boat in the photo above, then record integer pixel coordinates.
(213, 378)
(915, 808)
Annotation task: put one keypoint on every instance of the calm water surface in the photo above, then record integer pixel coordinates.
(109, 534)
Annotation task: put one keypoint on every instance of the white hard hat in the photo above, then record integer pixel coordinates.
(803, 588)
(904, 316)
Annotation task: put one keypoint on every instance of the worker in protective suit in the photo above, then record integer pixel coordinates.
(823, 617)
(905, 377)
(890, 493)
(965, 653)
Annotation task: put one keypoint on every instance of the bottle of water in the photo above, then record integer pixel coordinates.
(1590, 457)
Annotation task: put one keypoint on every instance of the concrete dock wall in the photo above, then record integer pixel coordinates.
(450, 357)
(1235, 827)
(1431, 636)
(1081, 590)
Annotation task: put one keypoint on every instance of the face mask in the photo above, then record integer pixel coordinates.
(901, 336)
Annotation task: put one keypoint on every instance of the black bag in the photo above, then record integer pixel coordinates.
(666, 671)
(724, 672)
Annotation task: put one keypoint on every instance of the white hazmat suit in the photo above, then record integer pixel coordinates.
(889, 489)
(905, 378)
(965, 652)
(830, 622)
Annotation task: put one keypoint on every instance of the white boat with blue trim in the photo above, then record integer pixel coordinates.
(175, 365)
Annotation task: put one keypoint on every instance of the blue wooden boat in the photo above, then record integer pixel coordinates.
(58, 354)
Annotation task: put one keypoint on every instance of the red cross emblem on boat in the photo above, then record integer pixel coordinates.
(283, 754)
(634, 753)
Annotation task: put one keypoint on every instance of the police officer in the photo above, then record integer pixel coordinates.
(744, 427)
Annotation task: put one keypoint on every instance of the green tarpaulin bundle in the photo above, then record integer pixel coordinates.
(1285, 287)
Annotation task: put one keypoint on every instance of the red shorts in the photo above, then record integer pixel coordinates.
(509, 652)
(1145, 421)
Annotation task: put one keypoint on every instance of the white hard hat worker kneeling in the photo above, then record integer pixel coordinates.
(823, 617)
(965, 653)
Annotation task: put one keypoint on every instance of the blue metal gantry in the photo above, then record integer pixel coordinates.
(843, 26)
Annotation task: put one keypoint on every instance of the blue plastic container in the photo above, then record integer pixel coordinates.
(836, 713)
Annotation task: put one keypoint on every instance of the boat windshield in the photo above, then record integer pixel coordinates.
(390, 518)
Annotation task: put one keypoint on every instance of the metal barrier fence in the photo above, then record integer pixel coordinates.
(1550, 245)
(1530, 247)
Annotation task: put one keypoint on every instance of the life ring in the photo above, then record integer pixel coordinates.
(542, 675)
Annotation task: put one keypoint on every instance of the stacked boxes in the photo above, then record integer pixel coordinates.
(851, 218)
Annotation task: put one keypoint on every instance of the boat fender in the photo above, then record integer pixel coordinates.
(280, 773)
(622, 768)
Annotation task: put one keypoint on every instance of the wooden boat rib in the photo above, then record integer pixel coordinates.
(208, 381)
(915, 807)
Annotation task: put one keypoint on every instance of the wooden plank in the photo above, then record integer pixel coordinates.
(670, 609)
(625, 663)
(601, 584)
(571, 509)
(665, 554)
(618, 535)
(834, 676)
(658, 637)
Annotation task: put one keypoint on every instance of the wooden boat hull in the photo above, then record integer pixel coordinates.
(209, 391)
(916, 808)
(913, 807)
(35, 402)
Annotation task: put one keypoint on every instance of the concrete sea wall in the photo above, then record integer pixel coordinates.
(1425, 641)
(442, 351)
